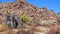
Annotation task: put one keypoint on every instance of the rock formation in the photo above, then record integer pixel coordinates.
(40, 20)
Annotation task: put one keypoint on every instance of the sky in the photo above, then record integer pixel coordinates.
(49, 4)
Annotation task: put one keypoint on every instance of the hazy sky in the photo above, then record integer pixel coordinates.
(49, 4)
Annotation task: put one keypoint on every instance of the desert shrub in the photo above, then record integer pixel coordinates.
(6, 10)
(24, 18)
(3, 27)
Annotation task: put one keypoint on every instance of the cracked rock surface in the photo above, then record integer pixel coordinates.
(20, 17)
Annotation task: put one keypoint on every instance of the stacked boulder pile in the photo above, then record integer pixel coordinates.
(20, 17)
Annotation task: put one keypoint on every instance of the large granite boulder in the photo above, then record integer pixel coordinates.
(13, 21)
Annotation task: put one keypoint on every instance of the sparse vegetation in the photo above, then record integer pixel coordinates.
(41, 19)
(25, 18)
(3, 27)
(6, 10)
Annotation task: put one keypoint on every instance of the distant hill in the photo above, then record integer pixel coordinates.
(38, 17)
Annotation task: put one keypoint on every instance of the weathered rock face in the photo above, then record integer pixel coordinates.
(58, 17)
(39, 17)
(13, 21)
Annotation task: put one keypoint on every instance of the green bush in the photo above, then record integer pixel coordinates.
(24, 18)
(6, 10)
